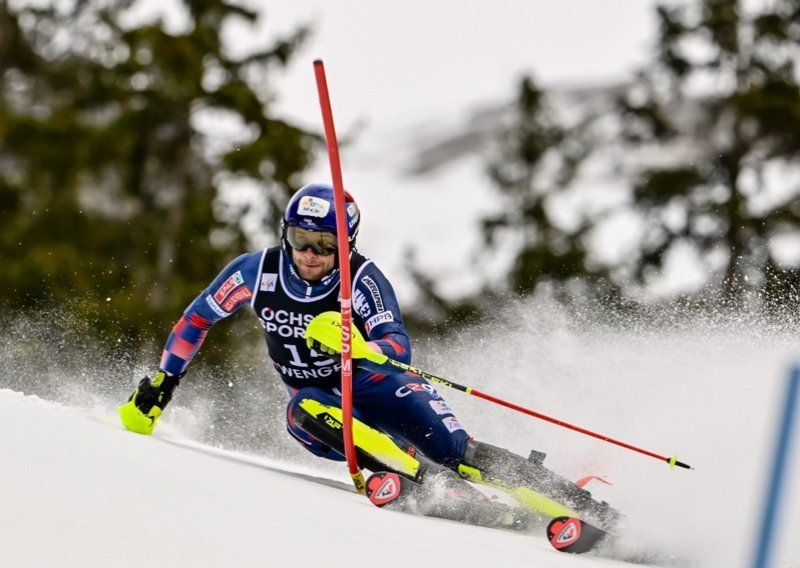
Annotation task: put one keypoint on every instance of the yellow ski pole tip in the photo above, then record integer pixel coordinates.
(673, 461)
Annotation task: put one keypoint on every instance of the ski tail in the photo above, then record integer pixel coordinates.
(584, 481)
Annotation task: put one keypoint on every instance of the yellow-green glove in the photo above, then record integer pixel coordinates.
(143, 409)
(324, 333)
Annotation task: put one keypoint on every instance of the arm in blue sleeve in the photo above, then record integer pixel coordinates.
(375, 303)
(229, 291)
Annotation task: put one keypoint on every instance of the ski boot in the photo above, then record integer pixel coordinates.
(533, 484)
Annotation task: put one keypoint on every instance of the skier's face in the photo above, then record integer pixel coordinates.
(312, 266)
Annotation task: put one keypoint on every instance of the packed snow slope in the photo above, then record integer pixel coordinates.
(78, 490)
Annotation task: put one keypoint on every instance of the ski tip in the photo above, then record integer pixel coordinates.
(383, 488)
(564, 532)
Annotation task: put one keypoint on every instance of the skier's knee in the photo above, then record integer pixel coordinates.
(313, 445)
(312, 393)
(446, 450)
(296, 417)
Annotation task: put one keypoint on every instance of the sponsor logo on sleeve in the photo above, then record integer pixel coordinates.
(374, 291)
(268, 282)
(452, 424)
(360, 304)
(232, 282)
(310, 206)
(378, 319)
(440, 407)
(215, 307)
(238, 296)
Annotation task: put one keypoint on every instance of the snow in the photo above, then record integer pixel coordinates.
(78, 490)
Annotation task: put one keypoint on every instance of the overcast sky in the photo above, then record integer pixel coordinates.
(396, 61)
(397, 70)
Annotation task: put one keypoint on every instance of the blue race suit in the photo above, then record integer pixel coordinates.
(400, 404)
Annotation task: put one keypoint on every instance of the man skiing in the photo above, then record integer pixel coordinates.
(401, 421)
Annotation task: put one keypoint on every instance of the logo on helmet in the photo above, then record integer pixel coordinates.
(313, 206)
(352, 214)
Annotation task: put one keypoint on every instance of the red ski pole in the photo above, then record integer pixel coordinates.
(362, 351)
(344, 278)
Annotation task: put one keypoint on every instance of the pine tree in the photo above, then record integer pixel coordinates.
(716, 120)
(111, 182)
(535, 160)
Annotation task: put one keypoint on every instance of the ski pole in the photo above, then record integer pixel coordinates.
(325, 328)
(672, 461)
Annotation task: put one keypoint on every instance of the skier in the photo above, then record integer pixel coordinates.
(287, 286)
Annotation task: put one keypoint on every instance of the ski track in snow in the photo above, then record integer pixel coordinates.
(76, 489)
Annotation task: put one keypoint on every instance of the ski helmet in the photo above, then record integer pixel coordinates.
(311, 208)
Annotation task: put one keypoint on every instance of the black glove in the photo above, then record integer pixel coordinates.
(143, 409)
(155, 392)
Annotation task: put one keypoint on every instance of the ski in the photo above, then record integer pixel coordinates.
(451, 498)
(570, 534)
(444, 496)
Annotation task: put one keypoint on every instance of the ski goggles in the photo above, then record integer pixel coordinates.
(299, 239)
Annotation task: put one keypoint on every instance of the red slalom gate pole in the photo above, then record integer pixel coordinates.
(344, 277)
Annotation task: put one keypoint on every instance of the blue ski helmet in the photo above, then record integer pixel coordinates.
(311, 208)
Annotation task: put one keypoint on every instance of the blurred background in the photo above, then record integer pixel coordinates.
(593, 207)
(624, 152)
(635, 157)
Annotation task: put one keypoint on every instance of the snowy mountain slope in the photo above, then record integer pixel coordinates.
(78, 491)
